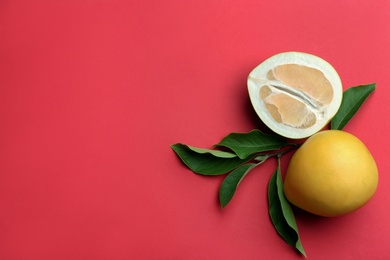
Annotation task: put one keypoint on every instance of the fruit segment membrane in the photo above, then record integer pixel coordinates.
(296, 95)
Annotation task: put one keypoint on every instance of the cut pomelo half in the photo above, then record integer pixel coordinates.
(295, 94)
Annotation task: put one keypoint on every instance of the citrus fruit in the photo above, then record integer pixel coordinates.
(331, 174)
(295, 94)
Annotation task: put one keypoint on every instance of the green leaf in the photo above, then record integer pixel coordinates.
(231, 182)
(245, 144)
(208, 162)
(281, 213)
(216, 153)
(353, 99)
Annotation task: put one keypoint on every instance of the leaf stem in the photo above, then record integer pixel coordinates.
(292, 148)
(280, 153)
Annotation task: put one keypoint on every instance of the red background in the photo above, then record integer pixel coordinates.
(93, 93)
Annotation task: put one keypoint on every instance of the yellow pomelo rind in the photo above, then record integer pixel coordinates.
(323, 114)
(331, 174)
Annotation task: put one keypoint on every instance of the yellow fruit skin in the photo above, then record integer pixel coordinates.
(331, 174)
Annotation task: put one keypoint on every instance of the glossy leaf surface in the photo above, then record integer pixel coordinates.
(353, 99)
(245, 144)
(207, 162)
(231, 182)
(281, 213)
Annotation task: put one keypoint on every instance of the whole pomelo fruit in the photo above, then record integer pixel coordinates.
(331, 174)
